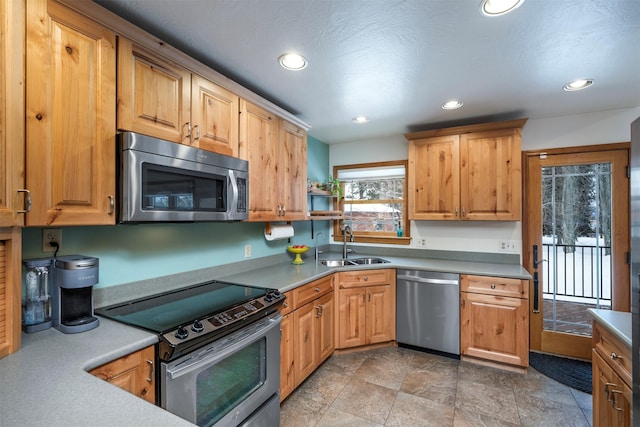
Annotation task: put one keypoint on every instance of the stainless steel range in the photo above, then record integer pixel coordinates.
(219, 351)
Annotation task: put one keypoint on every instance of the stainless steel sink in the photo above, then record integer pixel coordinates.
(352, 261)
(336, 262)
(361, 261)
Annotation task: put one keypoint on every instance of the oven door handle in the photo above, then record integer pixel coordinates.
(212, 354)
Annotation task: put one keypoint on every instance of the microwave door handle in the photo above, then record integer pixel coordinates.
(216, 354)
(232, 189)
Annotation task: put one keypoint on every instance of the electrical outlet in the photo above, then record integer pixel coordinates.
(247, 251)
(51, 235)
(507, 246)
(422, 242)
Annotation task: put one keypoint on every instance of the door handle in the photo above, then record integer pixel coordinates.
(536, 310)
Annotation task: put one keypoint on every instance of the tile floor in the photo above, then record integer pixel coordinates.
(401, 387)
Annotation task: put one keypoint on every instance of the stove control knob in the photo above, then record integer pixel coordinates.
(268, 297)
(197, 326)
(182, 333)
(277, 294)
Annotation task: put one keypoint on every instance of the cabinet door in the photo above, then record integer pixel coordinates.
(434, 178)
(381, 314)
(490, 175)
(12, 113)
(351, 317)
(71, 77)
(494, 328)
(153, 94)
(612, 398)
(325, 327)
(287, 357)
(305, 342)
(134, 373)
(214, 116)
(292, 168)
(10, 279)
(257, 145)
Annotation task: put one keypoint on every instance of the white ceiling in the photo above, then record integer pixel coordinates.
(398, 61)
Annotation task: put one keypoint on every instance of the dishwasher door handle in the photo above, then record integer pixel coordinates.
(428, 281)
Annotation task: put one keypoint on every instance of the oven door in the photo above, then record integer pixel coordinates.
(226, 382)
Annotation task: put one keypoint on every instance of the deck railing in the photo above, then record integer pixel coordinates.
(583, 273)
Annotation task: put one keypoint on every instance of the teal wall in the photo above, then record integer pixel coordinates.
(130, 253)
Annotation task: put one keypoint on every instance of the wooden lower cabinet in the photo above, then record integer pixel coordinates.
(134, 373)
(306, 332)
(611, 374)
(494, 319)
(10, 279)
(366, 308)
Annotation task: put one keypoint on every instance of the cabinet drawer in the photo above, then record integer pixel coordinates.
(354, 279)
(287, 305)
(499, 286)
(311, 291)
(617, 355)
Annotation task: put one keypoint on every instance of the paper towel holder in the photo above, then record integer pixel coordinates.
(267, 227)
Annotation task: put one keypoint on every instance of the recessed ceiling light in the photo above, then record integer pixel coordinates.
(452, 105)
(360, 120)
(292, 61)
(499, 7)
(577, 85)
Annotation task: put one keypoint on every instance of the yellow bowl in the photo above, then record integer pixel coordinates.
(298, 252)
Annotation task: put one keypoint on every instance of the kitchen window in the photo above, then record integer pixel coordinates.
(373, 202)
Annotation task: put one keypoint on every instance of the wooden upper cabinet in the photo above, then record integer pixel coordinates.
(490, 175)
(12, 199)
(70, 117)
(277, 155)
(466, 173)
(153, 94)
(214, 113)
(159, 98)
(434, 178)
(293, 162)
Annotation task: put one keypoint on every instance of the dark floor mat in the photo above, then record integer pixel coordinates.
(573, 373)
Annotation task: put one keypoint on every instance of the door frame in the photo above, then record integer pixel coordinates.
(556, 342)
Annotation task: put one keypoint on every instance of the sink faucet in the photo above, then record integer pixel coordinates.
(318, 244)
(346, 230)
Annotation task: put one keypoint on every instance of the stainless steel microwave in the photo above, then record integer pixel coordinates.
(161, 181)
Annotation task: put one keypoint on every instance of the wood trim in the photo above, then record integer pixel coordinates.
(574, 150)
(482, 127)
(10, 322)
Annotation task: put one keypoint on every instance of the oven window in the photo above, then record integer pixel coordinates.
(171, 189)
(227, 383)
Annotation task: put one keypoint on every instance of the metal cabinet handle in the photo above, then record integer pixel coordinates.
(366, 278)
(317, 307)
(317, 289)
(285, 304)
(456, 211)
(112, 204)
(463, 212)
(150, 378)
(364, 296)
(188, 126)
(613, 400)
(27, 200)
(197, 129)
(607, 391)
(615, 356)
(493, 286)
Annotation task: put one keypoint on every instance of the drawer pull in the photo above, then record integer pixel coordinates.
(613, 400)
(607, 391)
(366, 278)
(615, 356)
(317, 289)
(493, 286)
(285, 304)
(150, 378)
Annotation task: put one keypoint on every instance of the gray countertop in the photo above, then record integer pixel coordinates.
(617, 322)
(46, 382)
(285, 277)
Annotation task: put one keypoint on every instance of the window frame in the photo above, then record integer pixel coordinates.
(373, 237)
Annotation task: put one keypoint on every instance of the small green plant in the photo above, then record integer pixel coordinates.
(333, 184)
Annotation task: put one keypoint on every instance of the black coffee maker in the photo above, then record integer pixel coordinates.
(74, 277)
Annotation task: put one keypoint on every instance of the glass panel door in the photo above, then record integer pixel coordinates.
(576, 245)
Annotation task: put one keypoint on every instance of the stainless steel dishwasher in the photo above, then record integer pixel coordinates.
(428, 310)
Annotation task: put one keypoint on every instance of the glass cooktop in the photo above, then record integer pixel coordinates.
(166, 311)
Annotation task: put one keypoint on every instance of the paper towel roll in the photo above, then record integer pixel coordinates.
(278, 231)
